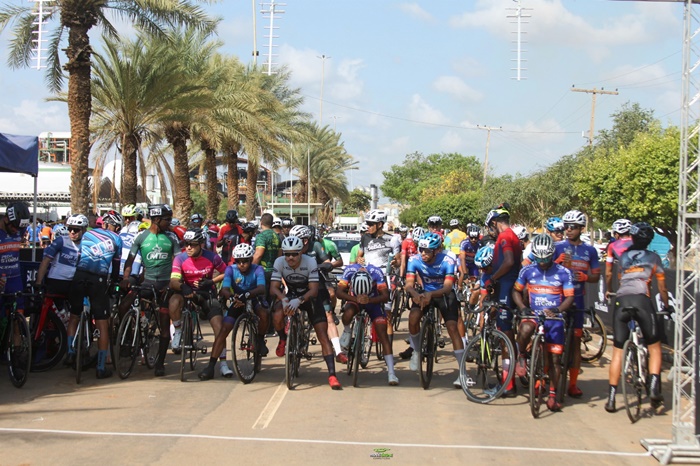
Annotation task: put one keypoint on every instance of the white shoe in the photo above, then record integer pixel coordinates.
(457, 383)
(393, 380)
(345, 340)
(225, 370)
(175, 343)
(415, 361)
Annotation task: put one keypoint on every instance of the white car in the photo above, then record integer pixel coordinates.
(344, 242)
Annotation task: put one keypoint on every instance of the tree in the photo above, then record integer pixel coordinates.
(77, 18)
(627, 123)
(358, 201)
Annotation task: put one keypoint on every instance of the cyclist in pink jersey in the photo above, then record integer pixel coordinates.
(623, 240)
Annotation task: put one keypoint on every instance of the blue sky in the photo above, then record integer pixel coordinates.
(420, 76)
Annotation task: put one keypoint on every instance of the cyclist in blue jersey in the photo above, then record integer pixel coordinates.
(467, 268)
(100, 251)
(62, 255)
(12, 228)
(243, 281)
(437, 272)
(550, 290)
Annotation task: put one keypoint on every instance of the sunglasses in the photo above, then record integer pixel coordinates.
(166, 220)
(571, 226)
(371, 224)
(242, 261)
(74, 229)
(192, 245)
(558, 232)
(426, 250)
(291, 254)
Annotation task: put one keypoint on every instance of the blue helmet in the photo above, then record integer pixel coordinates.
(484, 256)
(430, 240)
(554, 224)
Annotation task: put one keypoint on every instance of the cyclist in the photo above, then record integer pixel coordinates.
(158, 246)
(409, 248)
(582, 259)
(300, 272)
(483, 260)
(623, 240)
(249, 230)
(437, 272)
(637, 268)
(100, 252)
(179, 230)
(453, 240)
(12, 229)
(287, 224)
(550, 290)
(554, 227)
(213, 232)
(113, 221)
(243, 281)
(193, 277)
(267, 250)
(366, 286)
(435, 225)
(336, 260)
(197, 221)
(356, 249)
(277, 228)
(131, 221)
(467, 268)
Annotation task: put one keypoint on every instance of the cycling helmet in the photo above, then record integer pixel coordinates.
(434, 221)
(642, 234)
(375, 216)
(140, 213)
(621, 226)
(498, 212)
(292, 244)
(77, 220)
(18, 214)
(403, 229)
(287, 223)
(543, 248)
(160, 210)
(276, 224)
(554, 224)
(243, 251)
(473, 231)
(232, 216)
(361, 283)
(145, 225)
(418, 233)
(175, 222)
(300, 231)
(249, 227)
(363, 228)
(61, 231)
(112, 217)
(484, 256)
(430, 240)
(197, 218)
(129, 210)
(194, 235)
(520, 231)
(576, 217)
(454, 223)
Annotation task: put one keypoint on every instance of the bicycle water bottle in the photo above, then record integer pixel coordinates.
(388, 264)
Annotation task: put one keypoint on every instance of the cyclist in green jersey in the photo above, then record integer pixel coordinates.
(158, 246)
(267, 250)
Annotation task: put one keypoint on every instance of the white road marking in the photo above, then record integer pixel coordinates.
(271, 408)
(327, 442)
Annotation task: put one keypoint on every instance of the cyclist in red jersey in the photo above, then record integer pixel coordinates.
(409, 247)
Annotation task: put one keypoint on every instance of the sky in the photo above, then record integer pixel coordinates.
(428, 76)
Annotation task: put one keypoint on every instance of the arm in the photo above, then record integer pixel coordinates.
(508, 261)
(43, 268)
(257, 257)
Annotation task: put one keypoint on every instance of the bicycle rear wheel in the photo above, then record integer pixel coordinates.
(594, 339)
(186, 344)
(151, 345)
(128, 343)
(366, 343)
(19, 349)
(428, 348)
(632, 385)
(52, 343)
(81, 346)
(244, 348)
(538, 377)
(358, 350)
(290, 354)
(397, 308)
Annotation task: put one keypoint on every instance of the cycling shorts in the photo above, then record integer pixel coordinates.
(640, 308)
(95, 287)
(233, 313)
(447, 304)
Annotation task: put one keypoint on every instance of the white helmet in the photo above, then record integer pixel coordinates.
(543, 248)
(300, 231)
(403, 229)
(362, 283)
(417, 233)
(363, 228)
(243, 251)
(454, 223)
(61, 231)
(621, 226)
(520, 231)
(574, 216)
(129, 210)
(292, 244)
(375, 216)
(77, 220)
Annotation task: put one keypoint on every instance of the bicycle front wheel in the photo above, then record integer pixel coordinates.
(51, 344)
(81, 346)
(632, 385)
(151, 345)
(244, 348)
(290, 354)
(428, 347)
(366, 344)
(358, 351)
(186, 344)
(397, 309)
(538, 378)
(19, 349)
(480, 371)
(594, 339)
(128, 343)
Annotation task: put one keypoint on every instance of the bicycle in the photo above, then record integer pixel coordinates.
(191, 336)
(594, 339)
(247, 356)
(48, 332)
(15, 340)
(296, 346)
(538, 378)
(85, 341)
(139, 333)
(428, 344)
(472, 319)
(360, 345)
(399, 303)
(480, 370)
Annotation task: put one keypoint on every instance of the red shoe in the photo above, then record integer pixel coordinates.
(280, 348)
(335, 383)
(575, 392)
(553, 405)
(342, 358)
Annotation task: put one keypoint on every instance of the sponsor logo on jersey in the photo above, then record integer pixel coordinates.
(157, 254)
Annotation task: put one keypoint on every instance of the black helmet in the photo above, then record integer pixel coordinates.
(197, 218)
(194, 235)
(287, 223)
(160, 210)
(232, 216)
(18, 214)
(642, 234)
(249, 227)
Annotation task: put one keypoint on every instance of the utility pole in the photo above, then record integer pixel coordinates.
(255, 34)
(488, 140)
(594, 92)
(273, 11)
(323, 72)
(518, 19)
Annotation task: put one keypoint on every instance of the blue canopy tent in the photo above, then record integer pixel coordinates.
(20, 154)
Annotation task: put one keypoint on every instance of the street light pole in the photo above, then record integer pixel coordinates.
(323, 72)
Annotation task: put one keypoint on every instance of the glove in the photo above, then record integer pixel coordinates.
(205, 284)
(245, 296)
(186, 289)
(294, 304)
(580, 277)
(526, 312)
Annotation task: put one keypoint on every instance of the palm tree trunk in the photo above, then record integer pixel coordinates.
(231, 154)
(128, 184)
(212, 180)
(251, 202)
(177, 136)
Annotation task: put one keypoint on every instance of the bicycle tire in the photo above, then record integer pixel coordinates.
(19, 349)
(594, 339)
(51, 345)
(480, 370)
(566, 361)
(113, 328)
(244, 348)
(632, 386)
(151, 340)
(397, 309)
(538, 378)
(366, 343)
(351, 349)
(196, 337)
(80, 341)
(128, 343)
(290, 356)
(427, 345)
(379, 350)
(471, 324)
(186, 343)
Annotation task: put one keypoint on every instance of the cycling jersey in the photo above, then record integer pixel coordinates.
(353, 254)
(507, 241)
(548, 288)
(331, 249)
(584, 258)
(64, 254)
(409, 248)
(242, 283)
(268, 240)
(470, 250)
(433, 275)
(131, 228)
(98, 249)
(377, 250)
(157, 252)
(616, 248)
(192, 269)
(9, 260)
(637, 269)
(128, 236)
(454, 239)
(298, 279)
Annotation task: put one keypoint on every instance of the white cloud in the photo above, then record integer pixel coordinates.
(415, 11)
(420, 110)
(468, 67)
(346, 84)
(451, 142)
(456, 87)
(32, 117)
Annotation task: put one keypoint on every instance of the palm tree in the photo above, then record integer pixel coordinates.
(77, 18)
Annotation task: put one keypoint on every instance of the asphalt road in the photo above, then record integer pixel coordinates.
(144, 420)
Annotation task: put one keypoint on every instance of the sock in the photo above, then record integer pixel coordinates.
(177, 324)
(506, 368)
(223, 355)
(415, 341)
(71, 350)
(458, 354)
(336, 345)
(101, 359)
(330, 363)
(212, 361)
(573, 377)
(389, 360)
(163, 350)
(465, 341)
(612, 390)
(552, 392)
